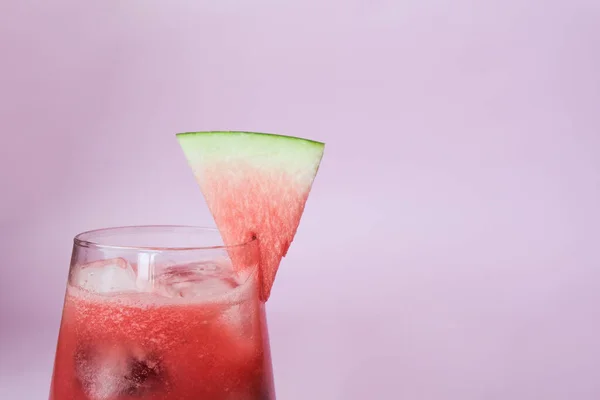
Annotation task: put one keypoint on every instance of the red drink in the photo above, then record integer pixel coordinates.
(193, 331)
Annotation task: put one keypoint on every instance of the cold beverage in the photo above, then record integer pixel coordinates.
(162, 331)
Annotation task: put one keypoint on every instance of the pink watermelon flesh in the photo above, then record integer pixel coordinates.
(255, 185)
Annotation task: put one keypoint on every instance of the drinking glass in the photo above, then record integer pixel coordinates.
(162, 312)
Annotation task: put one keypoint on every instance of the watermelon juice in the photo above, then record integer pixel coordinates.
(156, 323)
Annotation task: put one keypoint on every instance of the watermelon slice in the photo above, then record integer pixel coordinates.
(256, 185)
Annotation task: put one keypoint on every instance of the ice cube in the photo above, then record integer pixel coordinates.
(109, 371)
(105, 276)
(239, 318)
(195, 280)
(100, 372)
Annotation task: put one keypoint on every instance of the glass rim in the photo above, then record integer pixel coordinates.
(86, 238)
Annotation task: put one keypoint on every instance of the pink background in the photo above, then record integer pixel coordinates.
(450, 247)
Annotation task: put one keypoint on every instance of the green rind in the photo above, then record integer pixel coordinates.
(262, 150)
(186, 134)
